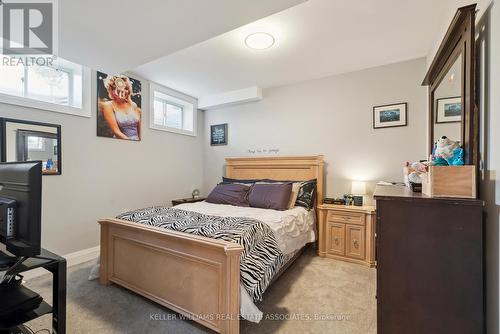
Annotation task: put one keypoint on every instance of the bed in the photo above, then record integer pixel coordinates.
(196, 276)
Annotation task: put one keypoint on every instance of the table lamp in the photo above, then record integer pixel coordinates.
(358, 189)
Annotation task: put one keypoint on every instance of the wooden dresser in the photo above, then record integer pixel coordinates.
(429, 263)
(347, 233)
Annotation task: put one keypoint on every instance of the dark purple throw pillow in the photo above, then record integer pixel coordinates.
(244, 181)
(270, 196)
(232, 194)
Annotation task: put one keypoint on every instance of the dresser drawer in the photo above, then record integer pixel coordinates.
(355, 241)
(335, 238)
(346, 217)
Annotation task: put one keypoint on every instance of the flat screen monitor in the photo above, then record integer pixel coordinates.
(21, 207)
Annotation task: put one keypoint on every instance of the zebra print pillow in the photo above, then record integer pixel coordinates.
(306, 195)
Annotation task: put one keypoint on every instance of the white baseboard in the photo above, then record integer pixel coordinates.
(72, 259)
(82, 256)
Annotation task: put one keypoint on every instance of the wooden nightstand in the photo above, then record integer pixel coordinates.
(347, 233)
(187, 200)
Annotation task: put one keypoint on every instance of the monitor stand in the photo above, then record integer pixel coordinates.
(7, 261)
(21, 329)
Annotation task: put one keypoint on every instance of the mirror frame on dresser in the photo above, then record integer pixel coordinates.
(3, 140)
(459, 40)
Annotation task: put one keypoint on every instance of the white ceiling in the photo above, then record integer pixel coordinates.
(315, 39)
(118, 35)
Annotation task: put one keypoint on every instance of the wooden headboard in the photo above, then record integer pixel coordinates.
(279, 168)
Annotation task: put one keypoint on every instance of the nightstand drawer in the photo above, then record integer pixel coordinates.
(346, 217)
(355, 241)
(335, 238)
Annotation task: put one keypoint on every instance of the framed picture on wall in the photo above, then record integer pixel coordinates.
(449, 110)
(118, 107)
(391, 115)
(218, 134)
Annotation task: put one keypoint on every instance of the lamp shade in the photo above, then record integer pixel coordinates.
(358, 188)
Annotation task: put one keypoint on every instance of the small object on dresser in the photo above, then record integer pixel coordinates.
(357, 200)
(416, 187)
(337, 201)
(347, 199)
(49, 164)
(447, 152)
(413, 173)
(195, 194)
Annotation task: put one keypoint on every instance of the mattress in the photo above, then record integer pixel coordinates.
(292, 228)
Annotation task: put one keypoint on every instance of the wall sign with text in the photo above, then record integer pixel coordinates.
(218, 134)
(263, 150)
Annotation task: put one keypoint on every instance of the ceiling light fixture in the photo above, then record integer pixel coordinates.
(259, 41)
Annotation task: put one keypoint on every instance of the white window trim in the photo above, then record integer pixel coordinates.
(84, 111)
(167, 91)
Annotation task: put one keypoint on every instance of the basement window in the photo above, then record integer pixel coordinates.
(36, 143)
(58, 85)
(172, 111)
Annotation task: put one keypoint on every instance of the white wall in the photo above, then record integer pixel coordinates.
(453, 5)
(330, 116)
(102, 177)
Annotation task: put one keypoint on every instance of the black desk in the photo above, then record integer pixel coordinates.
(57, 266)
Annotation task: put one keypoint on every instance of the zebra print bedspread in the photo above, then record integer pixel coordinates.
(261, 258)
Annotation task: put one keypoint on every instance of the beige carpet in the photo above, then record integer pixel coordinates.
(341, 294)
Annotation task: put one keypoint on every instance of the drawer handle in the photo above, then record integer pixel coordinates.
(336, 241)
(356, 244)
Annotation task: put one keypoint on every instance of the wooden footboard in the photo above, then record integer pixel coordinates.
(195, 276)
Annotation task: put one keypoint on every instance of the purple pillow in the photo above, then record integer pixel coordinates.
(270, 196)
(232, 194)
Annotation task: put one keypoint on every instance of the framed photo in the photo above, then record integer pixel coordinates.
(449, 110)
(390, 115)
(218, 134)
(118, 107)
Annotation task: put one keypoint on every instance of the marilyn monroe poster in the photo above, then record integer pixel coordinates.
(119, 107)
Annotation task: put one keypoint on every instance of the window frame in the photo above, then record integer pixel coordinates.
(187, 101)
(84, 111)
(167, 102)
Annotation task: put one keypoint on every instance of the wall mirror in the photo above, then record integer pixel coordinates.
(451, 80)
(447, 104)
(30, 141)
